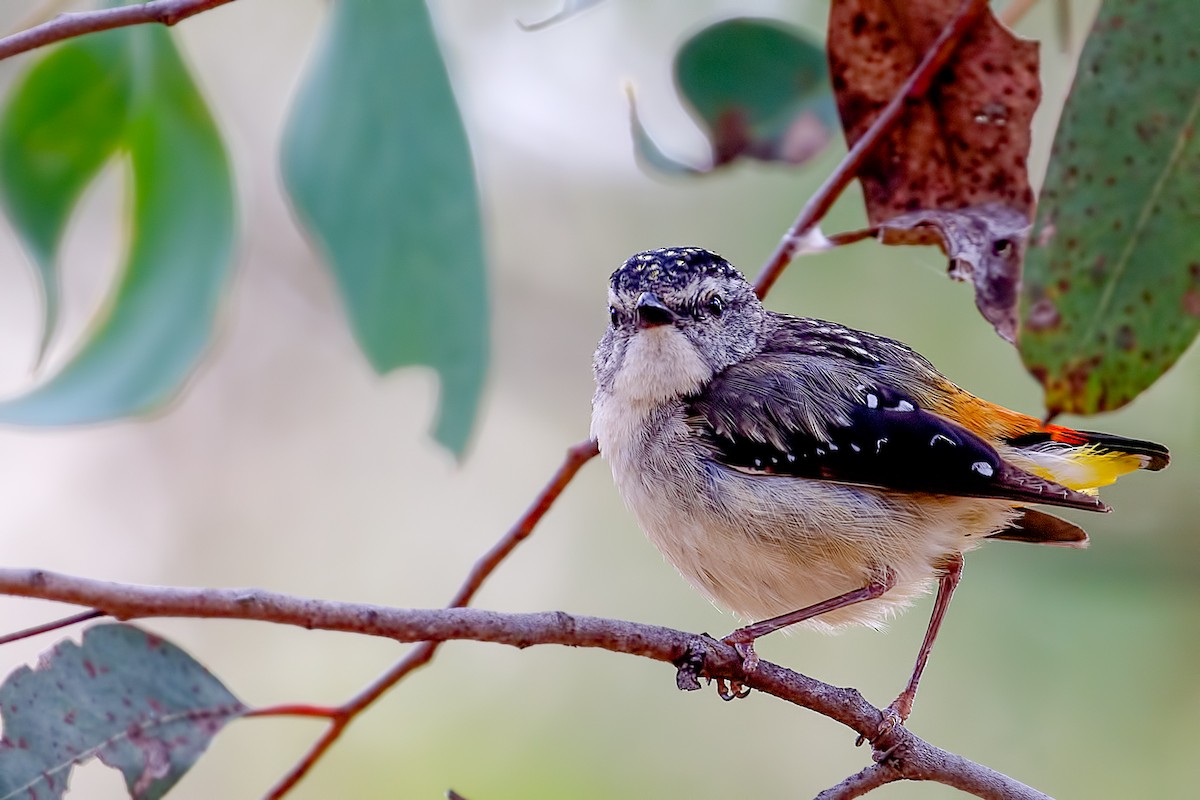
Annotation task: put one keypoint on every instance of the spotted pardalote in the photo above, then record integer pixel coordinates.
(799, 471)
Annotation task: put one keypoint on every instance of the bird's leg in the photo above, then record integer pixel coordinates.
(743, 638)
(901, 707)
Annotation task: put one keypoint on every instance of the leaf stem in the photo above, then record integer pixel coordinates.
(55, 625)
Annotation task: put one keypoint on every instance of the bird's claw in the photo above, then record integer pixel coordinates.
(729, 689)
(890, 719)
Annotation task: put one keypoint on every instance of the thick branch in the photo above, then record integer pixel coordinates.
(70, 25)
(908, 755)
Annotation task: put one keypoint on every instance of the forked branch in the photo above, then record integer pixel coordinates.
(905, 755)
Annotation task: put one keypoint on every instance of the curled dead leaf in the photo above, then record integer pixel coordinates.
(985, 246)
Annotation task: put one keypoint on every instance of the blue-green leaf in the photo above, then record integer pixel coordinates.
(62, 123)
(379, 170)
(159, 318)
(131, 699)
(759, 88)
(1111, 294)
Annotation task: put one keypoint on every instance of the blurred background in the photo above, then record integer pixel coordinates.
(287, 464)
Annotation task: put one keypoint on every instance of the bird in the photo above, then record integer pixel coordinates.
(801, 472)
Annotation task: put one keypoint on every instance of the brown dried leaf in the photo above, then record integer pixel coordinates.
(952, 171)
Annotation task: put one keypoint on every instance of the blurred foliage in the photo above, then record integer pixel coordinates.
(759, 88)
(378, 166)
(122, 92)
(377, 163)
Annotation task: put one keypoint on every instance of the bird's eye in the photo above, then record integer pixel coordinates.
(613, 316)
(714, 305)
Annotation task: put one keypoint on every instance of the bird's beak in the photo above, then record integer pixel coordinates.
(652, 312)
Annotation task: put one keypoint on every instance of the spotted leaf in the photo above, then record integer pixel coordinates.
(1111, 293)
(136, 702)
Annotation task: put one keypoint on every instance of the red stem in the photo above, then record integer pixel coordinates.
(295, 710)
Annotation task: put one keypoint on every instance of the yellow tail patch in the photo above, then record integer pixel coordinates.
(1081, 468)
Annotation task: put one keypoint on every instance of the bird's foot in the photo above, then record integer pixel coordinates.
(731, 689)
(891, 718)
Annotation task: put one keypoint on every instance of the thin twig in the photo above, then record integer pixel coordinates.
(869, 778)
(78, 23)
(910, 756)
(420, 655)
(46, 627)
(916, 86)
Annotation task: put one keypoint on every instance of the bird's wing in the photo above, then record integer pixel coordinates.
(806, 412)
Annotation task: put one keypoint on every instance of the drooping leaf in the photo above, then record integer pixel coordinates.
(1111, 294)
(159, 317)
(129, 698)
(958, 154)
(379, 170)
(759, 89)
(62, 123)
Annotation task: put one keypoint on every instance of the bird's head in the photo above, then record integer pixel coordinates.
(678, 315)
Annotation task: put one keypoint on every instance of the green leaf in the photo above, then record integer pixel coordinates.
(131, 699)
(1111, 293)
(379, 170)
(155, 326)
(759, 88)
(62, 123)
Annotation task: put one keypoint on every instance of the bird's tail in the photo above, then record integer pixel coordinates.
(1084, 460)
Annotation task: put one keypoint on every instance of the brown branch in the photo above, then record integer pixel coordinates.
(341, 717)
(869, 778)
(916, 86)
(78, 23)
(909, 756)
